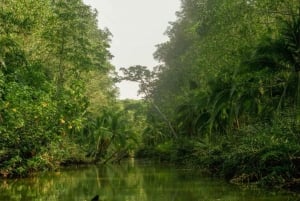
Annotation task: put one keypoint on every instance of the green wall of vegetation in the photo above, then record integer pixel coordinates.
(226, 96)
(57, 99)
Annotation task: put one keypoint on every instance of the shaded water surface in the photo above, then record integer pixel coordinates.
(131, 181)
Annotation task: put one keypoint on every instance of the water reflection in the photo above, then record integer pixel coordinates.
(130, 181)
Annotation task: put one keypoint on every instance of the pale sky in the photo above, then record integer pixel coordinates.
(137, 26)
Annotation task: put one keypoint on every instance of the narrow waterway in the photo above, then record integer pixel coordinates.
(131, 181)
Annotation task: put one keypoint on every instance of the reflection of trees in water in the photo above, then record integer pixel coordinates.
(170, 183)
(123, 182)
(66, 185)
(127, 182)
(111, 181)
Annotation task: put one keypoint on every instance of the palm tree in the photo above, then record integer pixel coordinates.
(281, 58)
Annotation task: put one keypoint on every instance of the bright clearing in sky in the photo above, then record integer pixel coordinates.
(137, 26)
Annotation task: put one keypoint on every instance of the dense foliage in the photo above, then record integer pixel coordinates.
(225, 98)
(57, 98)
(229, 85)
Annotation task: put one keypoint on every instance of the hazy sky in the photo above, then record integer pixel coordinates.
(137, 26)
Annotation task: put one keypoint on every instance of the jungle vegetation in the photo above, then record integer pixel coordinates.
(225, 97)
(58, 101)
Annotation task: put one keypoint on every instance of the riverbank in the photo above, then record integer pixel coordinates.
(57, 155)
(270, 165)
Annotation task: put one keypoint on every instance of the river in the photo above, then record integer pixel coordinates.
(131, 181)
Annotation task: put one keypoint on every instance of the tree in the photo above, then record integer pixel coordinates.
(145, 78)
(48, 49)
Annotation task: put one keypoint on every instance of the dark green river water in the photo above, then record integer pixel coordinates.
(131, 181)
